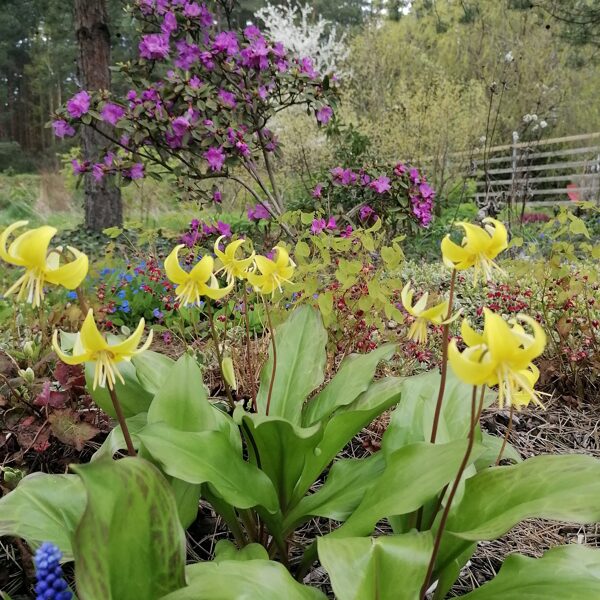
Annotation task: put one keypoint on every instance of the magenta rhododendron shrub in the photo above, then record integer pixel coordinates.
(200, 102)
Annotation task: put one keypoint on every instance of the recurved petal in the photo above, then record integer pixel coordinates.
(203, 270)
(75, 359)
(478, 240)
(91, 339)
(218, 252)
(173, 269)
(455, 256)
(436, 313)
(217, 293)
(128, 347)
(406, 295)
(538, 343)
(265, 265)
(71, 274)
(469, 335)
(32, 246)
(232, 248)
(4, 253)
(471, 366)
(499, 237)
(500, 339)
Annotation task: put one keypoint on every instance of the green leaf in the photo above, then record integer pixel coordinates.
(492, 445)
(566, 572)
(181, 402)
(562, 488)
(345, 423)
(412, 475)
(44, 508)
(133, 397)
(115, 440)
(384, 568)
(283, 449)
(300, 343)
(208, 456)
(412, 420)
(152, 370)
(226, 550)
(130, 509)
(353, 378)
(342, 492)
(237, 580)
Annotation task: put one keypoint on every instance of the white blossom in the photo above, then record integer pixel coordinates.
(543, 124)
(515, 136)
(306, 37)
(508, 57)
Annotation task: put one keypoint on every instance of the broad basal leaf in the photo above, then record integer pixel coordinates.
(385, 568)
(44, 508)
(129, 544)
(565, 573)
(300, 343)
(241, 580)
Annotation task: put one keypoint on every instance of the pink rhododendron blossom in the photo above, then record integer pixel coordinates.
(227, 98)
(112, 113)
(154, 46)
(135, 172)
(318, 191)
(381, 184)
(258, 212)
(62, 129)
(215, 158)
(324, 115)
(79, 104)
(365, 212)
(80, 167)
(226, 41)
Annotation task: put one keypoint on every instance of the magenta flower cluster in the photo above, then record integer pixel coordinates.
(404, 187)
(199, 230)
(210, 107)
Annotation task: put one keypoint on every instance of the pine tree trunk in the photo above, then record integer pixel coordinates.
(103, 205)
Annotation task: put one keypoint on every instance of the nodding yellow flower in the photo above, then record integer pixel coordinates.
(200, 281)
(273, 273)
(30, 250)
(478, 249)
(232, 266)
(423, 315)
(501, 355)
(90, 346)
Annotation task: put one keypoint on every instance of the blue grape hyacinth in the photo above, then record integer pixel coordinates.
(50, 582)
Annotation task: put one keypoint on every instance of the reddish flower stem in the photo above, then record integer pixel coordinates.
(122, 421)
(274, 369)
(444, 369)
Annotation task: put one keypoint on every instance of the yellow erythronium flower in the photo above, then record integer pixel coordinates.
(501, 355)
(478, 249)
(272, 272)
(423, 315)
(30, 250)
(90, 346)
(232, 266)
(200, 281)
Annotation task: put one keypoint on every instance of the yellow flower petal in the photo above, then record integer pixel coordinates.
(203, 270)
(454, 255)
(31, 247)
(71, 274)
(128, 346)
(75, 359)
(472, 365)
(469, 335)
(4, 254)
(91, 339)
(499, 237)
(173, 269)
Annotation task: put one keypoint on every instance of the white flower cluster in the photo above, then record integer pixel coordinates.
(305, 36)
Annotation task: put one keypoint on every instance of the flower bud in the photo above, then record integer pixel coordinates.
(27, 374)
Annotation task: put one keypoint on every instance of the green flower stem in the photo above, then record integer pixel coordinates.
(444, 371)
(213, 333)
(444, 519)
(249, 521)
(250, 370)
(273, 371)
(122, 421)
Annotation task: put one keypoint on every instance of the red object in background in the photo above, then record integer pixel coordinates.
(574, 192)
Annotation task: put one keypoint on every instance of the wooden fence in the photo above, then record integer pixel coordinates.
(540, 173)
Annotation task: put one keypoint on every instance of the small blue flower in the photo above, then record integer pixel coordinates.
(128, 278)
(50, 583)
(315, 296)
(157, 313)
(72, 295)
(106, 271)
(121, 294)
(125, 307)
